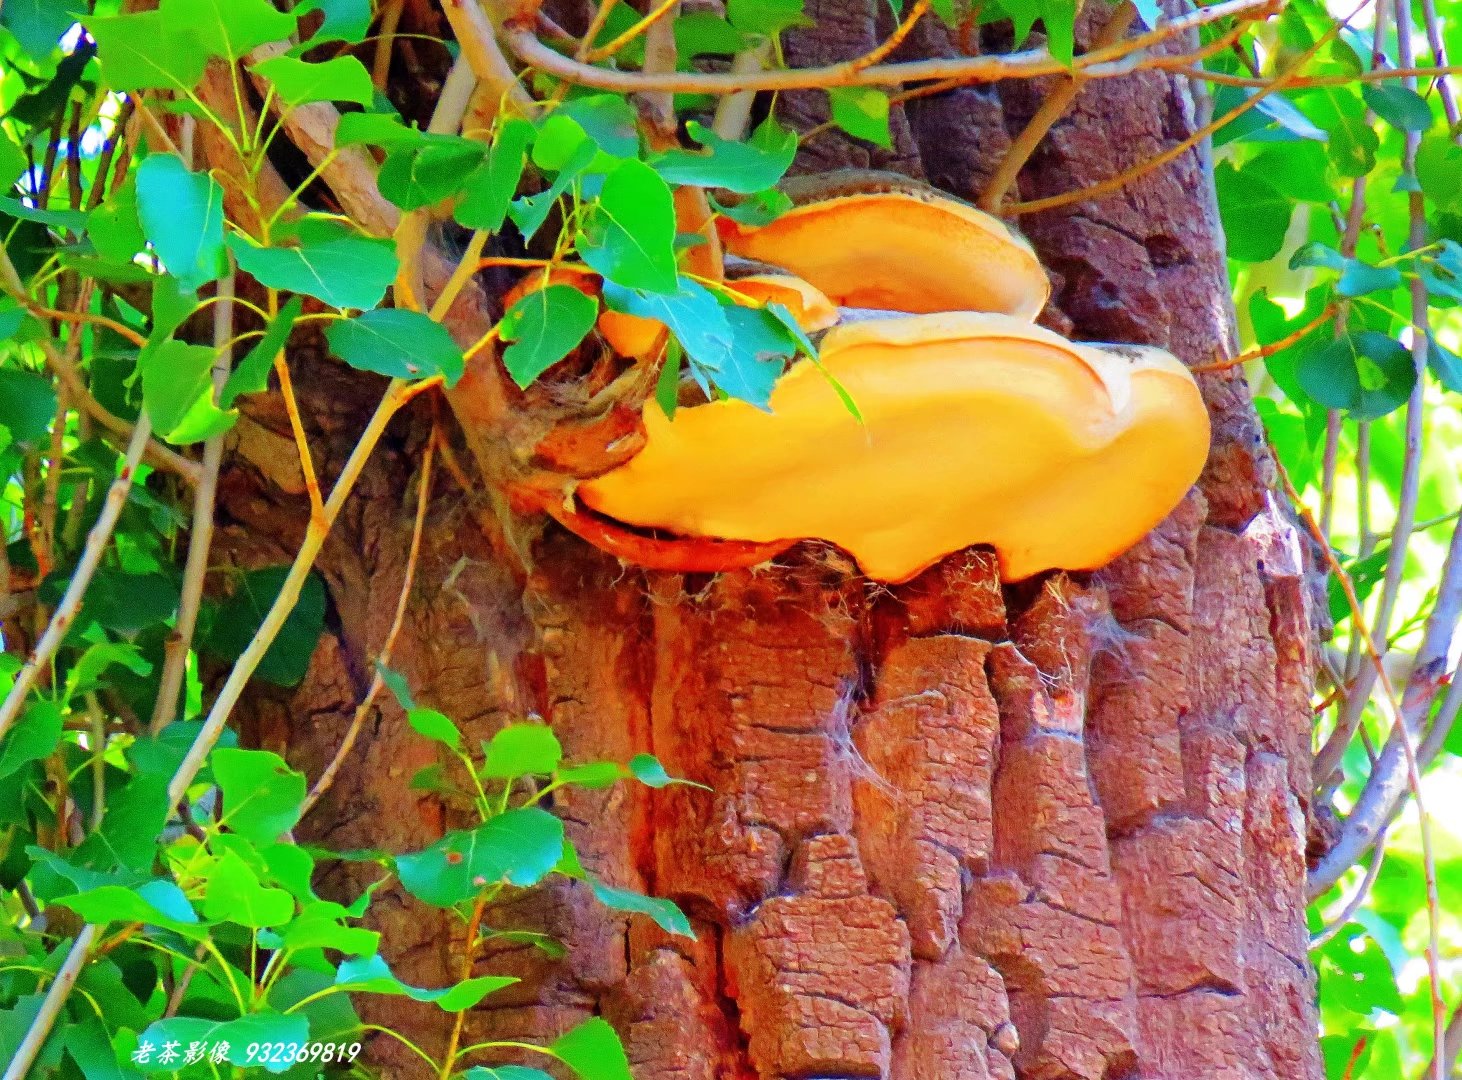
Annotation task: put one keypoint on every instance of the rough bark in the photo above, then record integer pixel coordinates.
(955, 831)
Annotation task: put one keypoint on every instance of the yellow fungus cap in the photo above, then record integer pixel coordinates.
(979, 429)
(912, 251)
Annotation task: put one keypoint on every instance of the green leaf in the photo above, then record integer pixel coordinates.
(1059, 19)
(92, 1050)
(345, 20)
(35, 736)
(742, 167)
(1299, 169)
(593, 1051)
(230, 28)
(397, 684)
(490, 189)
(177, 390)
(147, 51)
(1439, 171)
(609, 120)
(97, 660)
(629, 236)
(522, 750)
(282, 1030)
(114, 228)
(251, 375)
(1445, 365)
(704, 32)
(1360, 278)
(1400, 106)
(435, 726)
(766, 17)
(261, 794)
(372, 975)
(519, 846)
(665, 913)
(27, 405)
(378, 129)
(396, 342)
(330, 262)
(234, 894)
(156, 903)
(182, 217)
(1353, 145)
(694, 316)
(343, 78)
(1315, 253)
(544, 327)
(1255, 215)
(862, 111)
(531, 211)
(506, 1072)
(38, 24)
(1368, 374)
(233, 624)
(646, 768)
(319, 926)
(761, 344)
(424, 173)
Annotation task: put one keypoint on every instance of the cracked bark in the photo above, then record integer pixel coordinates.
(955, 831)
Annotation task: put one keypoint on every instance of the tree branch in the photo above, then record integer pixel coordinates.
(1102, 63)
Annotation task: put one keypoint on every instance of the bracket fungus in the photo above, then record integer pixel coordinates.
(973, 425)
(901, 247)
(977, 428)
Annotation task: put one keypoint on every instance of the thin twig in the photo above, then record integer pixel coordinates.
(968, 69)
(893, 41)
(478, 39)
(1178, 149)
(1264, 351)
(51, 1005)
(612, 46)
(1051, 110)
(66, 612)
(200, 539)
(383, 658)
(385, 38)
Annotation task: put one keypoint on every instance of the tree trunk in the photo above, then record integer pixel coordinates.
(955, 830)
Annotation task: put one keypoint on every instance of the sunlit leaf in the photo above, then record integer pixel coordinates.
(630, 233)
(342, 78)
(862, 111)
(397, 342)
(328, 261)
(522, 750)
(593, 1051)
(261, 794)
(544, 327)
(182, 217)
(519, 846)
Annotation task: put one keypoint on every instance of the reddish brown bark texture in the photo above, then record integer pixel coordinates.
(955, 832)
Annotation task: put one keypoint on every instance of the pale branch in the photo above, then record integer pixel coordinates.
(200, 538)
(1445, 1060)
(1100, 63)
(349, 171)
(1051, 110)
(70, 605)
(51, 1005)
(478, 39)
(388, 647)
(398, 393)
(733, 112)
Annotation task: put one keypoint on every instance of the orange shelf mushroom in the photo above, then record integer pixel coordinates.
(909, 249)
(978, 429)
